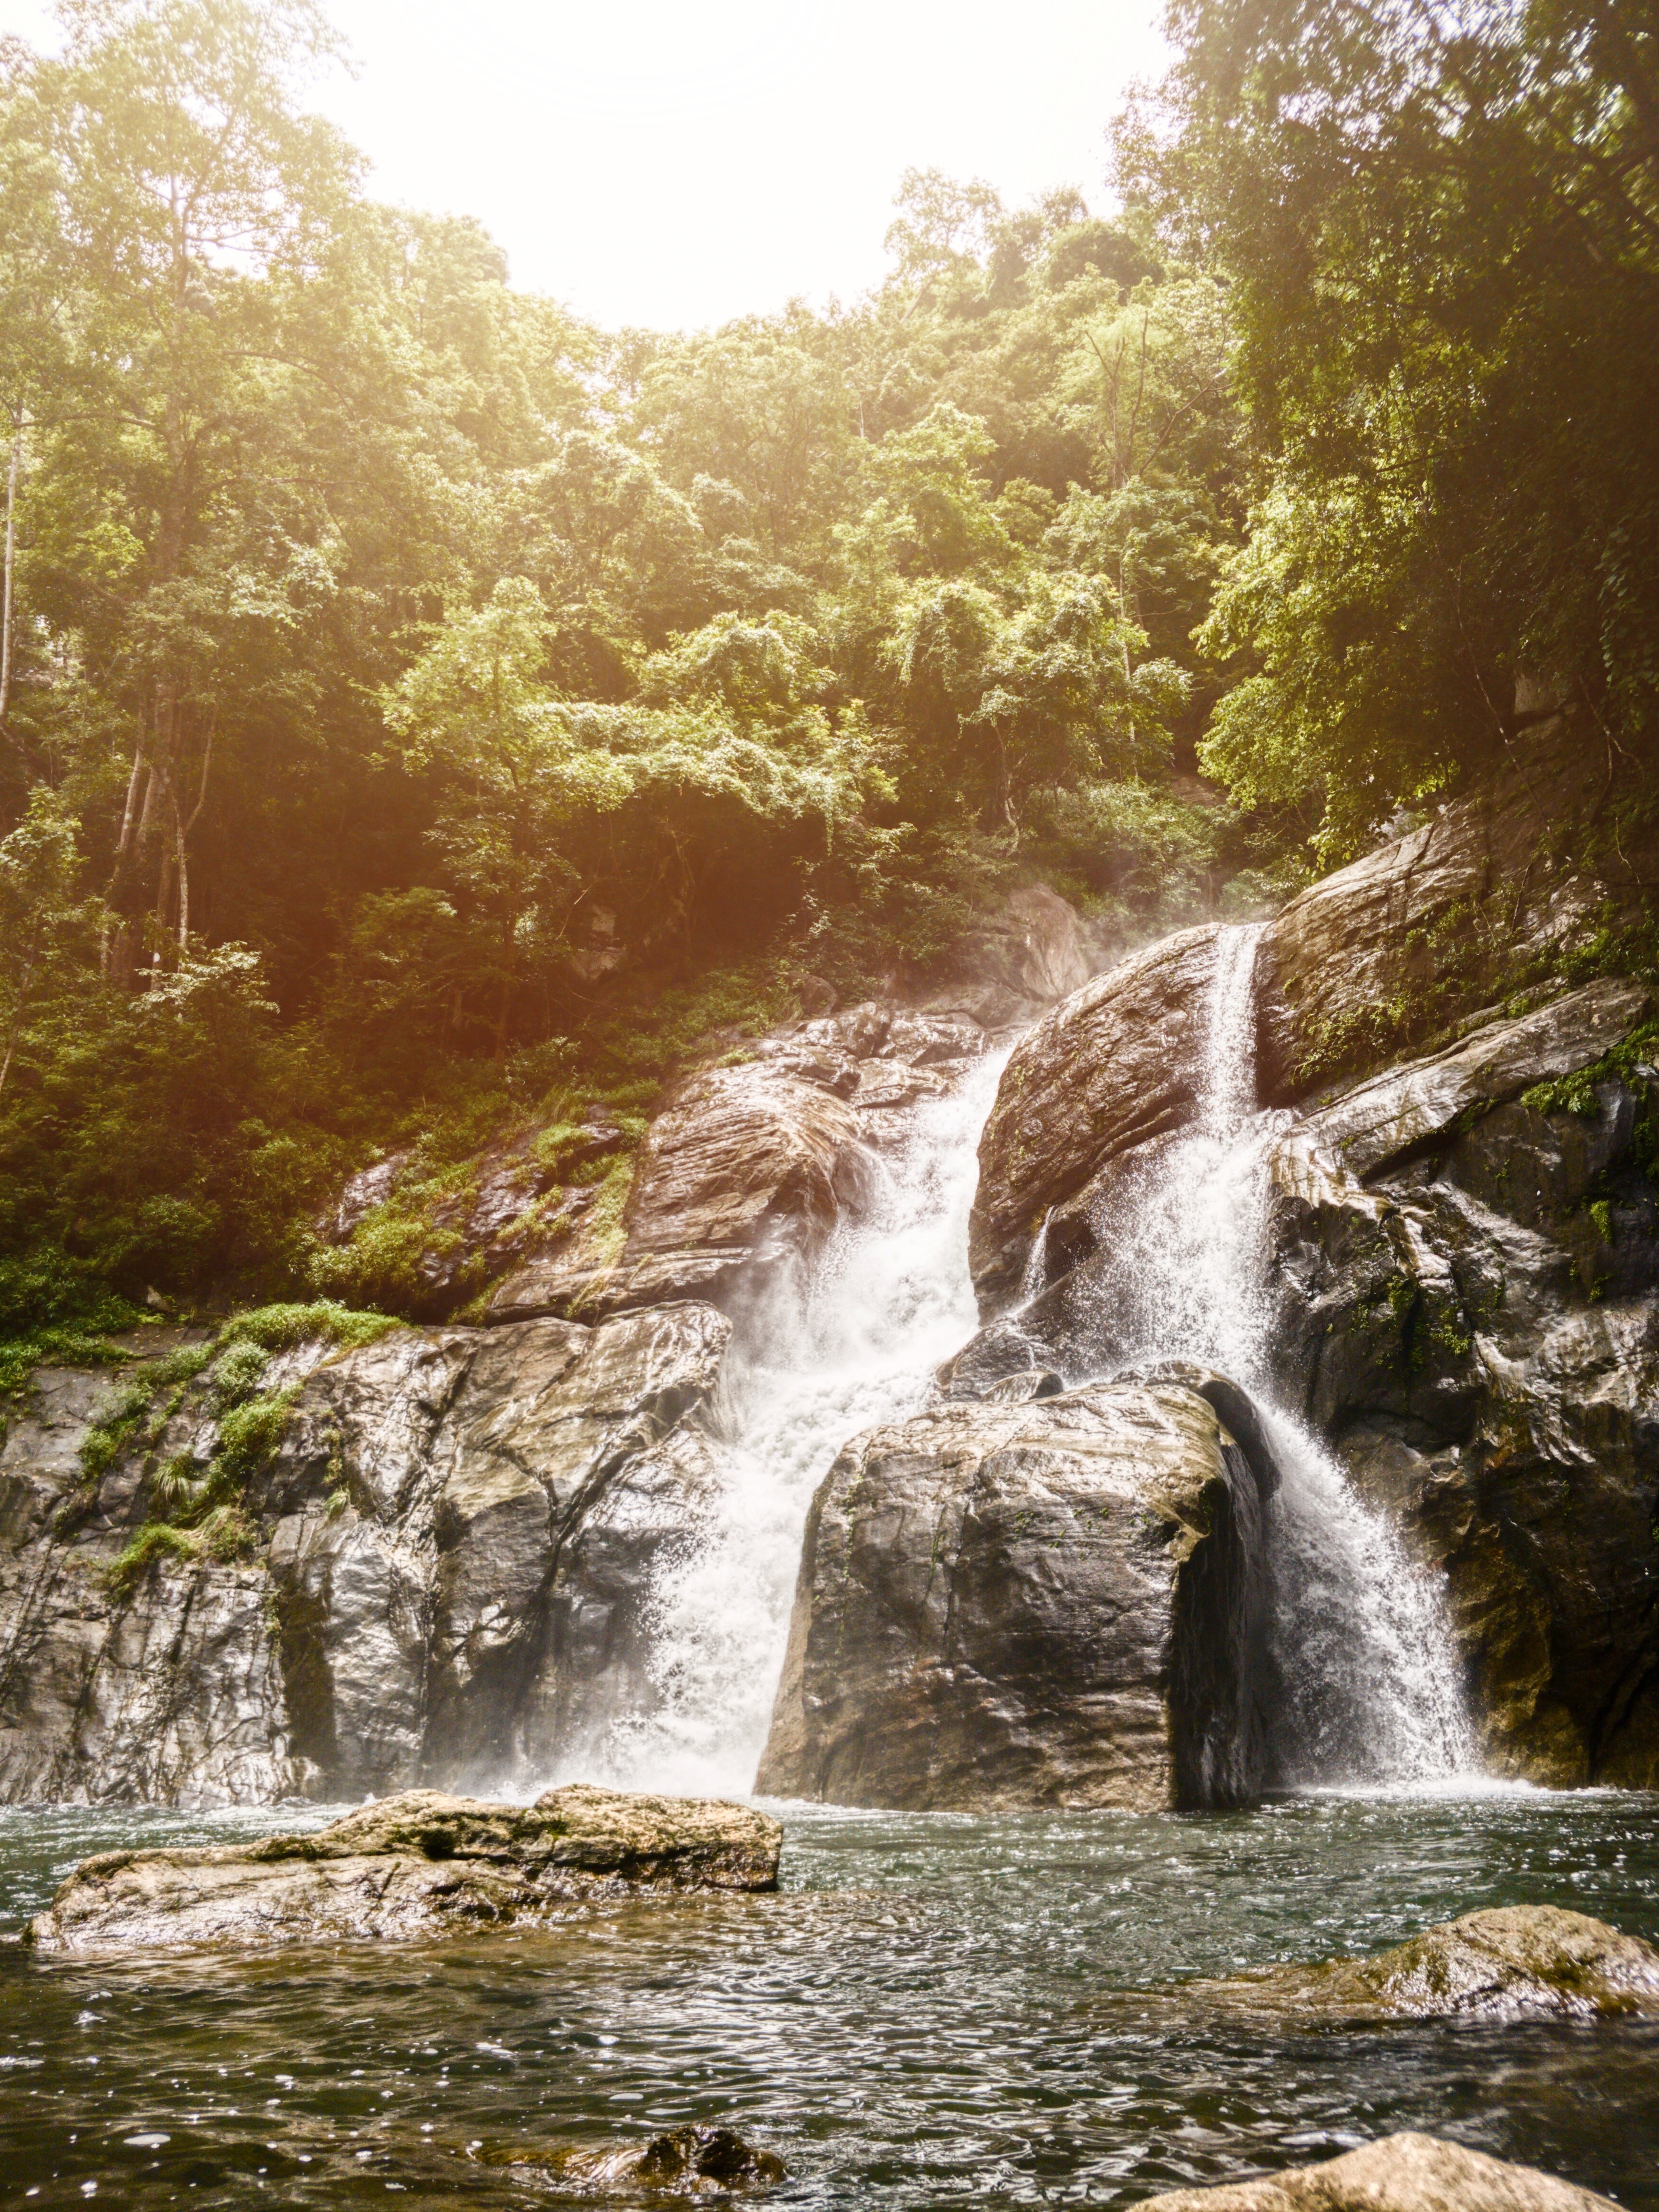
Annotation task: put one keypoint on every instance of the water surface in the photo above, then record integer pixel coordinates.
(935, 2008)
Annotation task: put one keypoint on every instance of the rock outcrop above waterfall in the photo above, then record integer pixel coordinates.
(1500, 892)
(417, 1864)
(1400, 2173)
(746, 1169)
(1114, 1070)
(1061, 1602)
(1518, 1961)
(748, 1162)
(749, 1167)
(437, 1574)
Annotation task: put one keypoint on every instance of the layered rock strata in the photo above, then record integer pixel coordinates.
(418, 1864)
(1059, 1601)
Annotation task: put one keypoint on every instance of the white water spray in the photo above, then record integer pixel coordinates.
(1361, 1645)
(887, 1301)
(1361, 1641)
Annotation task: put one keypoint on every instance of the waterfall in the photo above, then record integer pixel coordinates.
(1371, 1689)
(856, 1343)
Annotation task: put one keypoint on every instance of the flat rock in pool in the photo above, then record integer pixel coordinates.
(690, 2161)
(1518, 1960)
(1401, 2173)
(417, 1864)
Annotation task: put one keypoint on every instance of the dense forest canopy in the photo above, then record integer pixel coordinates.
(419, 707)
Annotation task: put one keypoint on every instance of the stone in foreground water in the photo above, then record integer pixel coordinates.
(415, 1865)
(1401, 2173)
(689, 2161)
(1515, 1961)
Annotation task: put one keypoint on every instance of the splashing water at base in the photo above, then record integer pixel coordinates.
(857, 1344)
(1362, 1643)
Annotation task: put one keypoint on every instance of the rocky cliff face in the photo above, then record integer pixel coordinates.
(443, 1564)
(1058, 1602)
(434, 1564)
(1458, 1251)
(1465, 1261)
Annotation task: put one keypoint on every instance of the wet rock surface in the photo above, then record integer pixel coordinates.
(445, 1560)
(420, 1863)
(1110, 1074)
(1521, 1961)
(1456, 1267)
(1057, 1602)
(1400, 2173)
(689, 2161)
(1475, 1324)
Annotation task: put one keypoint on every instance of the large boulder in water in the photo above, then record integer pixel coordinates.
(414, 1865)
(1401, 2173)
(1512, 1962)
(1058, 1602)
(1114, 1069)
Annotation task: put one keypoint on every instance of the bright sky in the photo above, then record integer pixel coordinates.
(676, 164)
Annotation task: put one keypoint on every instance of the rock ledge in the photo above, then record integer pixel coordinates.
(417, 1864)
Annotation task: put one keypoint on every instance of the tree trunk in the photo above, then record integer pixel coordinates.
(6, 590)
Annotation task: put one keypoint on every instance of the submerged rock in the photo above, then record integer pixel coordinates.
(417, 1864)
(689, 2161)
(1061, 1602)
(1511, 1962)
(1400, 2173)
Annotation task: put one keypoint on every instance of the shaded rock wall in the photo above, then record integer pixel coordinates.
(448, 1556)
(1060, 1602)
(1474, 1323)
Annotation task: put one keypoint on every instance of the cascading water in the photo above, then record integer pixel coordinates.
(856, 1344)
(1371, 1691)
(1362, 1644)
